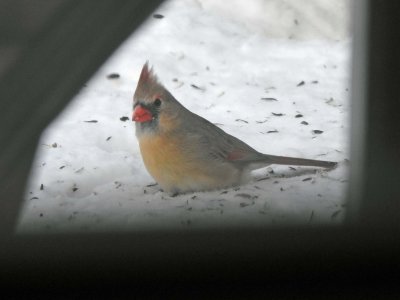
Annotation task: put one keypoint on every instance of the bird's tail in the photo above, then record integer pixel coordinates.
(294, 161)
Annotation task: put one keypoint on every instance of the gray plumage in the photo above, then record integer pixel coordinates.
(185, 152)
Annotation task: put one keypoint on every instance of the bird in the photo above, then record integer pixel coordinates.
(186, 153)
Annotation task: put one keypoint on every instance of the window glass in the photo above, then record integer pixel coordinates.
(273, 74)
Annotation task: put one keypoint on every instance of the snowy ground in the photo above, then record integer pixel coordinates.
(273, 93)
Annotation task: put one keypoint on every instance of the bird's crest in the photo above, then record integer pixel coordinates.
(147, 76)
(148, 82)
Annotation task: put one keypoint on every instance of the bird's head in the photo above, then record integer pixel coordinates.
(153, 105)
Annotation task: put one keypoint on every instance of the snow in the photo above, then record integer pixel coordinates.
(88, 174)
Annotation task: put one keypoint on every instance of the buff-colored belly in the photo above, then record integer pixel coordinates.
(182, 171)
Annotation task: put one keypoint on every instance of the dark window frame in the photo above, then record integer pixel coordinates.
(283, 260)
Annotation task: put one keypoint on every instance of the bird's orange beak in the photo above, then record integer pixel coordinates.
(141, 114)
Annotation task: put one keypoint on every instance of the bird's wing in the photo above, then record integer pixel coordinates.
(219, 145)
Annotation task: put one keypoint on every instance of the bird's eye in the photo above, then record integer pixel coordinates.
(157, 102)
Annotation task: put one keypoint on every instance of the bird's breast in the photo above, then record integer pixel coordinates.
(177, 167)
(160, 155)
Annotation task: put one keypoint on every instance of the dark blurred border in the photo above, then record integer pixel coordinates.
(50, 48)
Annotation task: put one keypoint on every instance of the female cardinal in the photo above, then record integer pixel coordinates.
(184, 152)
